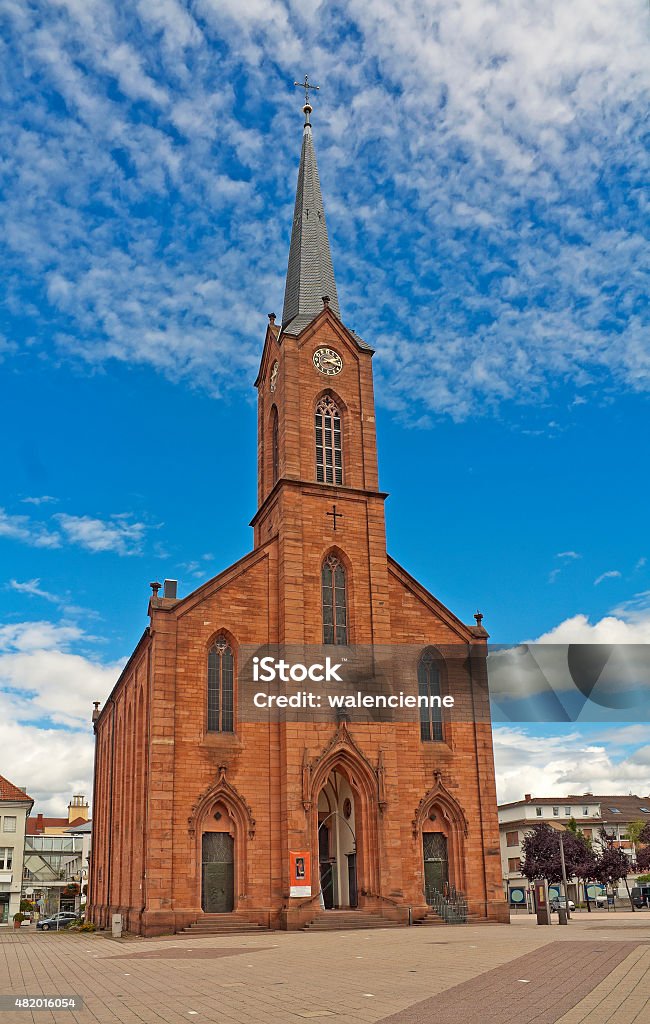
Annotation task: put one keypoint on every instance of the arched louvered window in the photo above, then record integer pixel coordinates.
(221, 672)
(275, 444)
(329, 454)
(335, 614)
(429, 686)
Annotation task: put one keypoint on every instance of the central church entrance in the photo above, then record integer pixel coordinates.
(337, 848)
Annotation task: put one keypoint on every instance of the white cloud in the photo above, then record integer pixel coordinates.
(117, 534)
(47, 690)
(33, 589)
(568, 554)
(23, 529)
(511, 187)
(611, 574)
(611, 629)
(565, 763)
(44, 499)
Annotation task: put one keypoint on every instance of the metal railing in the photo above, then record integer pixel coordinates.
(450, 904)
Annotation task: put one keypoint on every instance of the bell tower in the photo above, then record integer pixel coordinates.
(318, 488)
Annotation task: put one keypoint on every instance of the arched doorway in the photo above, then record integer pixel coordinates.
(337, 845)
(218, 863)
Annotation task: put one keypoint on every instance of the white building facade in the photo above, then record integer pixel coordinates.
(15, 806)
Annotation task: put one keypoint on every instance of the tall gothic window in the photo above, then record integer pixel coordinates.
(429, 686)
(275, 444)
(335, 617)
(221, 671)
(329, 456)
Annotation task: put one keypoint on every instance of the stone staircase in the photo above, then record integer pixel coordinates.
(339, 920)
(221, 924)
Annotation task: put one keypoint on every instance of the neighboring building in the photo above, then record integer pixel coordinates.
(199, 809)
(54, 856)
(591, 813)
(15, 806)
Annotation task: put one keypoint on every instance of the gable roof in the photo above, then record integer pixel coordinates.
(10, 792)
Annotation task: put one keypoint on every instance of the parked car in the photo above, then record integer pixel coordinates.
(600, 900)
(60, 920)
(559, 901)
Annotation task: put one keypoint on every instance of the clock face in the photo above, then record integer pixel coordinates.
(328, 361)
(274, 375)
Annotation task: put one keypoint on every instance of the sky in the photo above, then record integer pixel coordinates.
(485, 173)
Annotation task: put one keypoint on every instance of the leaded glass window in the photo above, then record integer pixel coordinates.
(429, 686)
(335, 619)
(329, 454)
(221, 671)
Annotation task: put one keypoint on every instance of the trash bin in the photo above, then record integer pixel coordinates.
(561, 913)
(116, 926)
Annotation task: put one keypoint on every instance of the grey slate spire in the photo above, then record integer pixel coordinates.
(310, 274)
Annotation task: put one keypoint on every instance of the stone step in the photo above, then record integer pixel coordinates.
(221, 924)
(338, 920)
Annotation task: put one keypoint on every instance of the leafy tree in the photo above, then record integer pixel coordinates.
(642, 843)
(612, 864)
(541, 854)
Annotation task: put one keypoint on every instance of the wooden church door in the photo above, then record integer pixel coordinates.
(218, 873)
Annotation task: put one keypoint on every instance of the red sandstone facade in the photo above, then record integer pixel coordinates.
(360, 795)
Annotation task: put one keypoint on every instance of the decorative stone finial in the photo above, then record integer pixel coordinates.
(271, 317)
(155, 587)
(479, 618)
(326, 301)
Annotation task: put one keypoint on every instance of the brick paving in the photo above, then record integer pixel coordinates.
(347, 977)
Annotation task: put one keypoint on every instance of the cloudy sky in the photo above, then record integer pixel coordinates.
(485, 176)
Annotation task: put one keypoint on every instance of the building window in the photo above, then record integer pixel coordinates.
(335, 619)
(585, 811)
(567, 811)
(512, 839)
(275, 444)
(429, 686)
(6, 857)
(9, 823)
(221, 672)
(556, 812)
(329, 455)
(538, 811)
(514, 864)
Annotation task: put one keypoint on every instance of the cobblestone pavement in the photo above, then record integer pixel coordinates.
(593, 970)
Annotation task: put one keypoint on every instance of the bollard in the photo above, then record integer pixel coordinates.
(561, 915)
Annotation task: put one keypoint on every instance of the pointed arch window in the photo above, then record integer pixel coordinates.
(221, 673)
(329, 453)
(429, 686)
(334, 598)
(275, 444)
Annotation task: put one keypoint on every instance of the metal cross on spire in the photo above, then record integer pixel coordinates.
(307, 85)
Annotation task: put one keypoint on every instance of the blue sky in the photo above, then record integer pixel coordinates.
(484, 168)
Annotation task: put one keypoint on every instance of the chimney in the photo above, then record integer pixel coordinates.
(39, 823)
(528, 798)
(171, 587)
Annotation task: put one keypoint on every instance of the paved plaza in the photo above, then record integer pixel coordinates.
(594, 970)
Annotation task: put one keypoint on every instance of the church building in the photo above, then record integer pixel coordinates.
(207, 815)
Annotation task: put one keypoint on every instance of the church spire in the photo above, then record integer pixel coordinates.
(310, 274)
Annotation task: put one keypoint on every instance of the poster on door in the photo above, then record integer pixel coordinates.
(300, 873)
